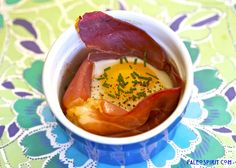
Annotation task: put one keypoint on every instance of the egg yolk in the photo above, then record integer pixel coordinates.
(126, 83)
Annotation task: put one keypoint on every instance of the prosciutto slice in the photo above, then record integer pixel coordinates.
(104, 118)
(79, 87)
(105, 33)
(114, 37)
(110, 38)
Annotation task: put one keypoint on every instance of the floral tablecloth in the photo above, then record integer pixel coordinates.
(30, 135)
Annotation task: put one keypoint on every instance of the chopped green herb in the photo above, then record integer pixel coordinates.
(135, 61)
(136, 74)
(145, 83)
(105, 75)
(123, 86)
(152, 75)
(119, 89)
(130, 67)
(111, 95)
(134, 97)
(145, 78)
(105, 85)
(133, 76)
(121, 60)
(108, 68)
(126, 101)
(126, 60)
(128, 92)
(118, 94)
(120, 78)
(141, 94)
(135, 82)
(121, 81)
(133, 89)
(100, 78)
(145, 59)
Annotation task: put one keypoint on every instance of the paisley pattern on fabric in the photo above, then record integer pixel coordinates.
(29, 28)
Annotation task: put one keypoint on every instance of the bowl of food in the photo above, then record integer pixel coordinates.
(118, 78)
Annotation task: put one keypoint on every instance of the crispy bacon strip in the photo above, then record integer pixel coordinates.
(104, 33)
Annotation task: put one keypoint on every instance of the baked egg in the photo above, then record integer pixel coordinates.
(126, 81)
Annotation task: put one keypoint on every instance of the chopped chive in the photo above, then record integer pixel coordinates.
(123, 86)
(108, 68)
(135, 61)
(100, 78)
(126, 60)
(119, 89)
(152, 75)
(147, 83)
(144, 83)
(120, 78)
(133, 76)
(135, 73)
(141, 94)
(145, 59)
(105, 75)
(125, 101)
(128, 92)
(134, 97)
(130, 67)
(121, 60)
(105, 85)
(111, 95)
(135, 82)
(121, 81)
(145, 78)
